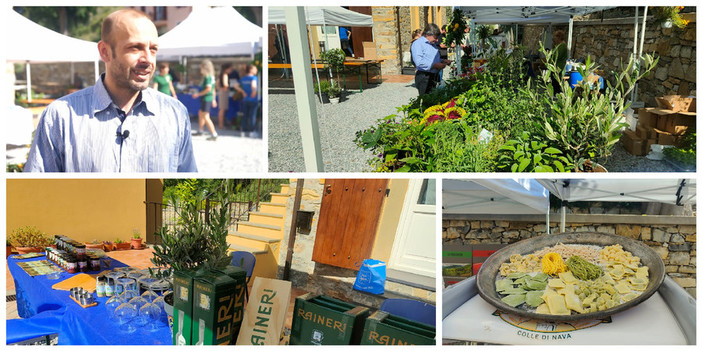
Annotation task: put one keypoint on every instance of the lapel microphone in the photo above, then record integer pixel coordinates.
(123, 135)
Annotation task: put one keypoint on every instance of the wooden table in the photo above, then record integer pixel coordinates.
(358, 64)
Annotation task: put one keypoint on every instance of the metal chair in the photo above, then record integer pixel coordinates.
(246, 261)
(411, 309)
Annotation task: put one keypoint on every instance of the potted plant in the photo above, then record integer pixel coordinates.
(136, 240)
(334, 93)
(95, 244)
(121, 244)
(108, 246)
(584, 122)
(29, 239)
(669, 16)
(322, 88)
(335, 59)
(195, 241)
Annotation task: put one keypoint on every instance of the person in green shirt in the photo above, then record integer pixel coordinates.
(163, 81)
(207, 100)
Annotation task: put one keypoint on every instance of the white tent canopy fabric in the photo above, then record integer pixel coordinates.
(494, 196)
(211, 31)
(526, 14)
(324, 15)
(671, 191)
(33, 43)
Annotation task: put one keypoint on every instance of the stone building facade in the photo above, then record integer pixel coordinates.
(610, 41)
(674, 238)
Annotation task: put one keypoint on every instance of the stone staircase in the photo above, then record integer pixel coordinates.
(262, 233)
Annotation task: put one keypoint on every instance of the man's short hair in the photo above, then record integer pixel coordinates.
(432, 30)
(109, 22)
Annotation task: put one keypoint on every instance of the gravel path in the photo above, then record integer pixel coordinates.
(622, 161)
(338, 124)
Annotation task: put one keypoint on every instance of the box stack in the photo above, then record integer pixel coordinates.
(663, 125)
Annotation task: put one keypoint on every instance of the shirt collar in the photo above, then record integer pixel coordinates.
(145, 101)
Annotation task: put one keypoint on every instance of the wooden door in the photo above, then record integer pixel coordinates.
(360, 34)
(348, 219)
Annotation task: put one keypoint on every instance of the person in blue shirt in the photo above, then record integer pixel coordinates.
(345, 37)
(249, 105)
(425, 56)
(119, 124)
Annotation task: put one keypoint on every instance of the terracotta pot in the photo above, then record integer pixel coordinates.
(9, 251)
(123, 246)
(27, 249)
(93, 246)
(589, 169)
(136, 244)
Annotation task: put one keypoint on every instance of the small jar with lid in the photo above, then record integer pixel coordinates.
(72, 265)
(83, 264)
(80, 250)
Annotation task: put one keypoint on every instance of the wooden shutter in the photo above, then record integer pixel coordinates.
(348, 219)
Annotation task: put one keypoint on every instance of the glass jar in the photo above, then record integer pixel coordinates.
(83, 264)
(72, 265)
(80, 250)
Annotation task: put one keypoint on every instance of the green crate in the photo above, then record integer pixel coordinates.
(183, 306)
(213, 309)
(382, 328)
(322, 320)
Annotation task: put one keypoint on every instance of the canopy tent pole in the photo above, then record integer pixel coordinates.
(185, 71)
(302, 76)
(548, 221)
(314, 57)
(641, 42)
(570, 36)
(281, 41)
(563, 215)
(28, 70)
(635, 51)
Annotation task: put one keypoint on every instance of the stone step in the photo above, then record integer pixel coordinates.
(271, 231)
(255, 237)
(266, 218)
(269, 207)
(278, 198)
(253, 250)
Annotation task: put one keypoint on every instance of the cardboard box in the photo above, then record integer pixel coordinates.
(632, 143)
(647, 145)
(213, 309)
(665, 138)
(676, 103)
(383, 328)
(370, 52)
(646, 118)
(183, 306)
(645, 132)
(264, 318)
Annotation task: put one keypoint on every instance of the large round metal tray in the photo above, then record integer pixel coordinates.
(491, 268)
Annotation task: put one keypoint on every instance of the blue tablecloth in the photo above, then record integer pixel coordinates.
(77, 325)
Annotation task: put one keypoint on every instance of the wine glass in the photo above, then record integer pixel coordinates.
(125, 313)
(150, 313)
(112, 304)
(138, 303)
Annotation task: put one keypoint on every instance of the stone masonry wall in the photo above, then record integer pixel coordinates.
(609, 43)
(385, 38)
(676, 244)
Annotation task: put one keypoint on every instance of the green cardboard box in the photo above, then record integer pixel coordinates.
(213, 309)
(322, 320)
(382, 328)
(183, 306)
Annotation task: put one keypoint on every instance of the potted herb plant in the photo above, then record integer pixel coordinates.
(584, 122)
(335, 59)
(95, 244)
(195, 242)
(322, 88)
(136, 240)
(29, 239)
(108, 246)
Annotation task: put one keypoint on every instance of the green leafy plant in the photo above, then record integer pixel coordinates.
(686, 152)
(196, 242)
(455, 30)
(29, 236)
(136, 234)
(322, 86)
(528, 154)
(119, 241)
(582, 122)
(669, 13)
(335, 59)
(334, 90)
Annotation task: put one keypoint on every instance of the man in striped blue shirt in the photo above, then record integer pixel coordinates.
(425, 56)
(119, 124)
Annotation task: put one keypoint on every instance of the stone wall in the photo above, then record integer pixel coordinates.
(386, 39)
(673, 238)
(609, 43)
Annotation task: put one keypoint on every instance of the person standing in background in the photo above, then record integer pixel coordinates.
(249, 105)
(223, 85)
(345, 36)
(163, 81)
(425, 55)
(207, 99)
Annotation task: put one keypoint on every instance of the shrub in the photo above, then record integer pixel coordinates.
(29, 236)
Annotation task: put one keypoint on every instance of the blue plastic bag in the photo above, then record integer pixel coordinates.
(371, 277)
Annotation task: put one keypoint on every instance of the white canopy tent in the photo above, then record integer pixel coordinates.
(494, 196)
(33, 43)
(211, 31)
(324, 15)
(670, 191)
